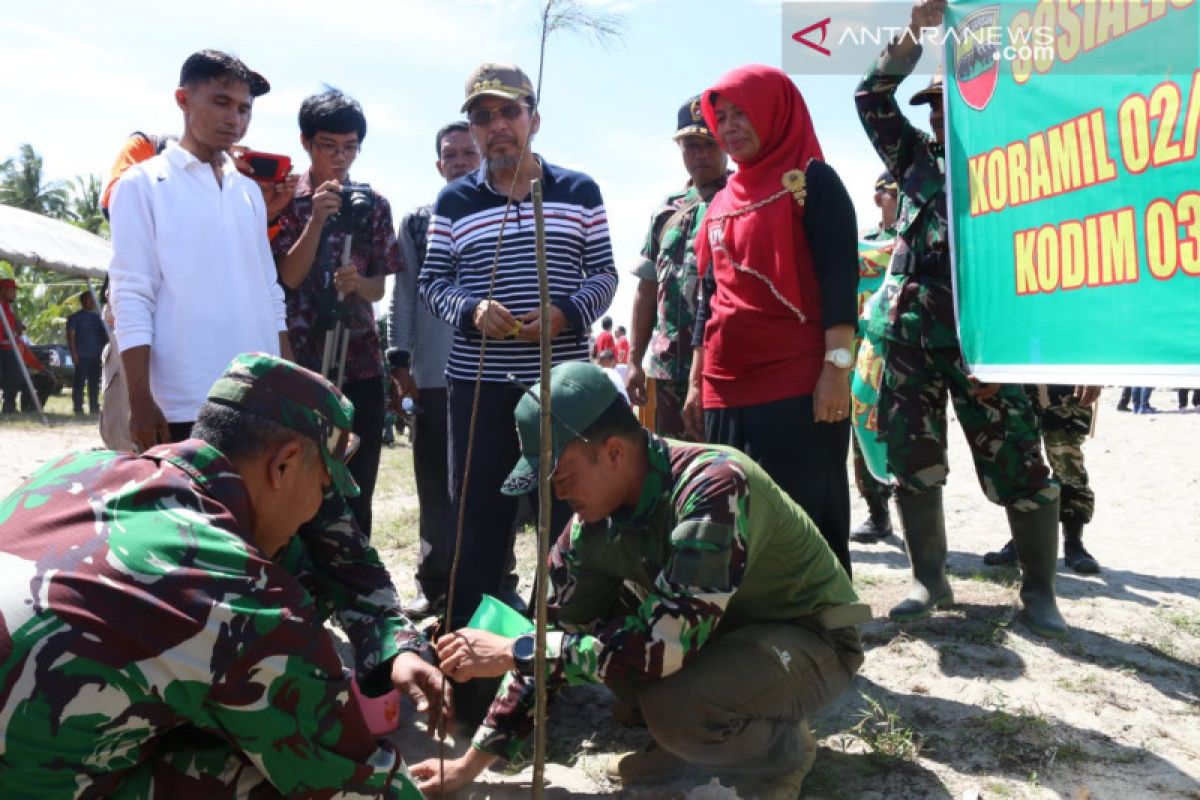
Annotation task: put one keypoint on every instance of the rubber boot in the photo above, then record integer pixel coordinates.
(1074, 554)
(925, 539)
(1004, 557)
(878, 525)
(1035, 534)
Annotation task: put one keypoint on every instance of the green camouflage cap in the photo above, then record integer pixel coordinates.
(296, 398)
(579, 393)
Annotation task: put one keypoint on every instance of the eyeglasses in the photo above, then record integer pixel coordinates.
(331, 149)
(483, 116)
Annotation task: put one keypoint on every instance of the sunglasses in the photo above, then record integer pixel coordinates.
(483, 116)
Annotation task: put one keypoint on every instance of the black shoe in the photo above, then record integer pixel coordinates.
(1122, 406)
(1074, 554)
(877, 528)
(421, 606)
(1004, 557)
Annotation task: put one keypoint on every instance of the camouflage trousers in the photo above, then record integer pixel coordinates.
(1065, 424)
(869, 487)
(668, 409)
(1001, 431)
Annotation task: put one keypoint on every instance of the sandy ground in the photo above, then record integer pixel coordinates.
(969, 703)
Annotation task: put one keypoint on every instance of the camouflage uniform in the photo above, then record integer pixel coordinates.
(688, 604)
(148, 648)
(1065, 425)
(923, 360)
(669, 259)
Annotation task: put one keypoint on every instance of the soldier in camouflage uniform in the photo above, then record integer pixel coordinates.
(1065, 414)
(161, 628)
(874, 253)
(923, 364)
(687, 582)
(667, 280)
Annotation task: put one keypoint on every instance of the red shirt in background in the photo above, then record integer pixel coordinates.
(622, 350)
(604, 341)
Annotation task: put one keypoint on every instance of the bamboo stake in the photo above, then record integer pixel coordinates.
(545, 457)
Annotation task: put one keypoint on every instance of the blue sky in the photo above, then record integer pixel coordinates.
(80, 76)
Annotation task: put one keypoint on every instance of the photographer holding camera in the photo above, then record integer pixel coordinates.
(321, 290)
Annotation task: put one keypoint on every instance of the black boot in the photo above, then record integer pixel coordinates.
(925, 539)
(878, 525)
(1074, 554)
(1123, 403)
(1035, 534)
(1004, 557)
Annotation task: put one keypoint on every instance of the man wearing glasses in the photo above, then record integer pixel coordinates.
(483, 218)
(923, 363)
(187, 654)
(321, 290)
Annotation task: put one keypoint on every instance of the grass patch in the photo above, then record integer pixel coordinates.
(889, 739)
(1186, 621)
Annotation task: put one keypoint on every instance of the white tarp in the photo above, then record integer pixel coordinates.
(28, 239)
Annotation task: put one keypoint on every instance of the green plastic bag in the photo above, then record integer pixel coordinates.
(500, 618)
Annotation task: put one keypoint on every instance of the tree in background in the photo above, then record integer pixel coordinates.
(45, 299)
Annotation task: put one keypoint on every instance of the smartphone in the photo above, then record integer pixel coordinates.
(267, 166)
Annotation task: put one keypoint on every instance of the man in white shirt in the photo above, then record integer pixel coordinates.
(193, 280)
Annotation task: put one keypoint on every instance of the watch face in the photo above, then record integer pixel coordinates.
(523, 648)
(840, 357)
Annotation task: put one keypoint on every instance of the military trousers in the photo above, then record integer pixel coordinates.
(1002, 431)
(736, 707)
(1065, 425)
(870, 488)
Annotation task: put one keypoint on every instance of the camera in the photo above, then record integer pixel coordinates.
(358, 201)
(267, 166)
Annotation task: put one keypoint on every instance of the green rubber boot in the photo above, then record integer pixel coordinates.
(925, 539)
(1035, 534)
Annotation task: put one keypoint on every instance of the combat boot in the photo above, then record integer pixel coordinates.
(652, 764)
(1004, 557)
(788, 785)
(1035, 534)
(1074, 554)
(878, 525)
(925, 539)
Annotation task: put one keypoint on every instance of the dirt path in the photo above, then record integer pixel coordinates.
(968, 704)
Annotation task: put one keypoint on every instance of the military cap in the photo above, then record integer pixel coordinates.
(498, 80)
(691, 121)
(885, 182)
(296, 398)
(934, 89)
(579, 393)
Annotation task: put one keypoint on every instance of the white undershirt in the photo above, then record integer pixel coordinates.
(192, 274)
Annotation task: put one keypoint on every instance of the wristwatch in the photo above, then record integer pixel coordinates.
(524, 647)
(840, 358)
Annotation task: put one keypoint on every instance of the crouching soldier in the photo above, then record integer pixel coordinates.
(689, 583)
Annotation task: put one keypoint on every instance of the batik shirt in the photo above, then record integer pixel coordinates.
(313, 308)
(923, 312)
(669, 259)
(134, 603)
(713, 545)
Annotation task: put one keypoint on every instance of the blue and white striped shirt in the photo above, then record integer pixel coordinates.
(454, 279)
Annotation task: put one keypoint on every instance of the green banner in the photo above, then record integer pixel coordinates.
(1075, 189)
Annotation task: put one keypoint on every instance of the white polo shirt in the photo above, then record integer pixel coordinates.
(191, 274)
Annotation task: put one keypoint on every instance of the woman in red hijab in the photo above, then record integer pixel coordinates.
(777, 255)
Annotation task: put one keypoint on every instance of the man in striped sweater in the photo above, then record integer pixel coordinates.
(471, 216)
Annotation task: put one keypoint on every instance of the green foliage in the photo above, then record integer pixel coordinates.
(883, 731)
(23, 184)
(85, 205)
(44, 301)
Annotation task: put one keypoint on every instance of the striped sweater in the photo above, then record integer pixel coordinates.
(463, 230)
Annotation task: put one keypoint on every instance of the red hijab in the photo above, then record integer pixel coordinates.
(763, 238)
